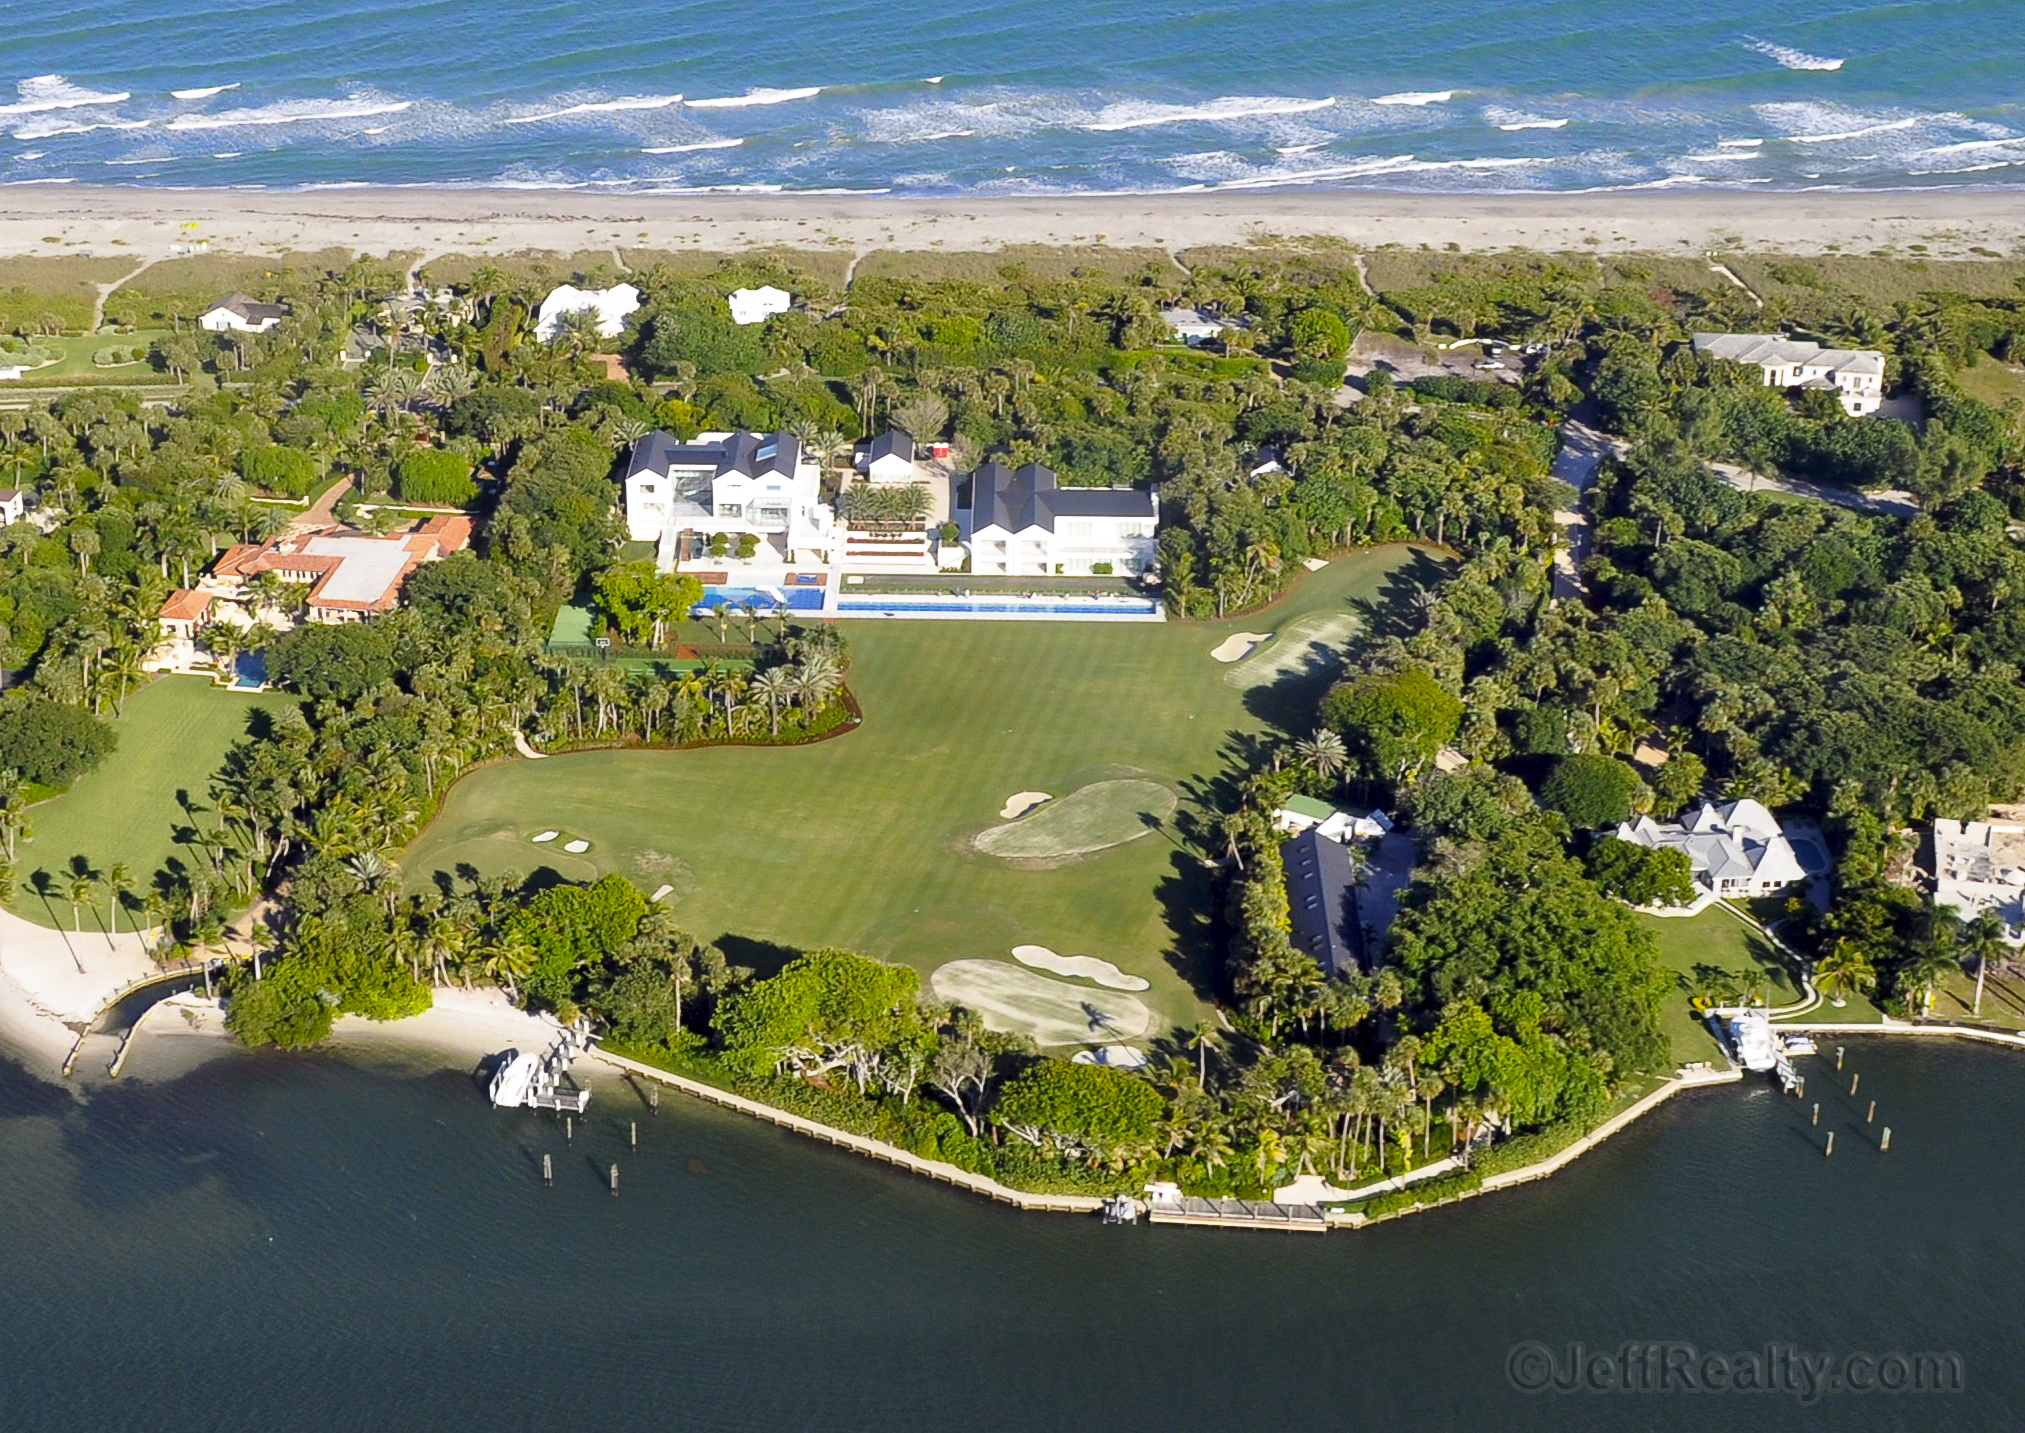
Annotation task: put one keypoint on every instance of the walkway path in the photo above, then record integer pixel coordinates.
(1582, 449)
(1891, 502)
(1731, 275)
(323, 512)
(106, 291)
(933, 1168)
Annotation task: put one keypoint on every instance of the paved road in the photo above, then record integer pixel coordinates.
(1889, 501)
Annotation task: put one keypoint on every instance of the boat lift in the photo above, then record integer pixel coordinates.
(543, 1082)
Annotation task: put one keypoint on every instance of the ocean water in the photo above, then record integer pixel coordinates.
(989, 97)
(312, 1243)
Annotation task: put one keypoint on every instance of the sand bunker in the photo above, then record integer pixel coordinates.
(1052, 1012)
(574, 847)
(1310, 645)
(544, 836)
(1314, 564)
(1239, 644)
(1090, 818)
(1113, 1057)
(661, 893)
(1087, 966)
(1021, 802)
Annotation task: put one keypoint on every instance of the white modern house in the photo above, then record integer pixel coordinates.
(730, 483)
(1023, 523)
(1735, 849)
(237, 313)
(613, 307)
(888, 458)
(758, 305)
(1192, 326)
(1855, 374)
(1980, 866)
(1305, 813)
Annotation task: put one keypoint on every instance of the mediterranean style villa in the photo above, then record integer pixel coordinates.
(679, 495)
(1736, 849)
(351, 575)
(1856, 374)
(1023, 523)
(239, 314)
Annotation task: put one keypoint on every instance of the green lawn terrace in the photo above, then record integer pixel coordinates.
(135, 810)
(1716, 955)
(872, 841)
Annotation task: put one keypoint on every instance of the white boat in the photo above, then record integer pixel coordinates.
(514, 1078)
(1751, 1039)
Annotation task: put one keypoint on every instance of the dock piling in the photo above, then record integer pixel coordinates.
(569, 1129)
(1871, 1118)
(1855, 1080)
(634, 1126)
(1838, 1057)
(1830, 1149)
(615, 1181)
(1817, 1115)
(654, 1100)
(547, 1172)
(1884, 1143)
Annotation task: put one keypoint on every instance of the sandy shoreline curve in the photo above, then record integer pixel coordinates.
(146, 223)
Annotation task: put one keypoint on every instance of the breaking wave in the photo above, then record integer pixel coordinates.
(758, 97)
(1792, 59)
(48, 92)
(289, 112)
(1137, 114)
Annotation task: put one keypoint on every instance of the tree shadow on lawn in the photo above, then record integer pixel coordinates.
(764, 958)
(1289, 703)
(1184, 894)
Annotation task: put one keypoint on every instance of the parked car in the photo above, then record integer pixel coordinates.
(1487, 363)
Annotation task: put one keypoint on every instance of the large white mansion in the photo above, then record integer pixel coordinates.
(730, 483)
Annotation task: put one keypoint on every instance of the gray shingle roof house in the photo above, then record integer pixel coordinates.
(1321, 901)
(1855, 373)
(239, 313)
(731, 483)
(1736, 849)
(1022, 521)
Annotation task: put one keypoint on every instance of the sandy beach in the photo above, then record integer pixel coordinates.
(147, 223)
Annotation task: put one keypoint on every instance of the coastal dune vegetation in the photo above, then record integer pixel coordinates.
(1810, 610)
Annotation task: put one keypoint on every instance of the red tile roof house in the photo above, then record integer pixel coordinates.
(352, 575)
(185, 612)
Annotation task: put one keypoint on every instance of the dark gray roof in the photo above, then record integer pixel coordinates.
(1321, 880)
(893, 443)
(998, 496)
(752, 455)
(251, 309)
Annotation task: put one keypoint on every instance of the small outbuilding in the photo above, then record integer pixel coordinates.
(237, 313)
(758, 305)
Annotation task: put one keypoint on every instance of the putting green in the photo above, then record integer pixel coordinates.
(1090, 818)
(1307, 645)
(1053, 1012)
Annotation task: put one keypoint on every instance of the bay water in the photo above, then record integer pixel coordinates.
(352, 1242)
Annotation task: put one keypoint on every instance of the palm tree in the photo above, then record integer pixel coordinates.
(1322, 753)
(77, 889)
(773, 687)
(118, 881)
(1985, 940)
(1920, 979)
(1844, 967)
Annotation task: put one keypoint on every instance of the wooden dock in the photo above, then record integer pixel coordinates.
(1237, 1214)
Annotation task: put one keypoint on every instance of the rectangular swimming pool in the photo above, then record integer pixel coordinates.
(1114, 609)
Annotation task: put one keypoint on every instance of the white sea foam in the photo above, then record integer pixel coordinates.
(24, 182)
(1738, 143)
(1725, 157)
(629, 102)
(759, 96)
(48, 92)
(290, 112)
(30, 154)
(689, 148)
(1138, 114)
(229, 154)
(1834, 135)
(1514, 119)
(49, 128)
(204, 93)
(1969, 145)
(1302, 148)
(1791, 59)
(944, 119)
(933, 80)
(1417, 97)
(377, 129)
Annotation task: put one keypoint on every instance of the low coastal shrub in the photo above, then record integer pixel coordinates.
(1529, 1148)
(1431, 1191)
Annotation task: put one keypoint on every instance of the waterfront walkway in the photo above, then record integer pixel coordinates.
(859, 1144)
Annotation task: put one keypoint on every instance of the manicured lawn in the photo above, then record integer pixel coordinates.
(173, 736)
(866, 841)
(1706, 953)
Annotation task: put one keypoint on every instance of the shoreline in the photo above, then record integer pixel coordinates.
(149, 224)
